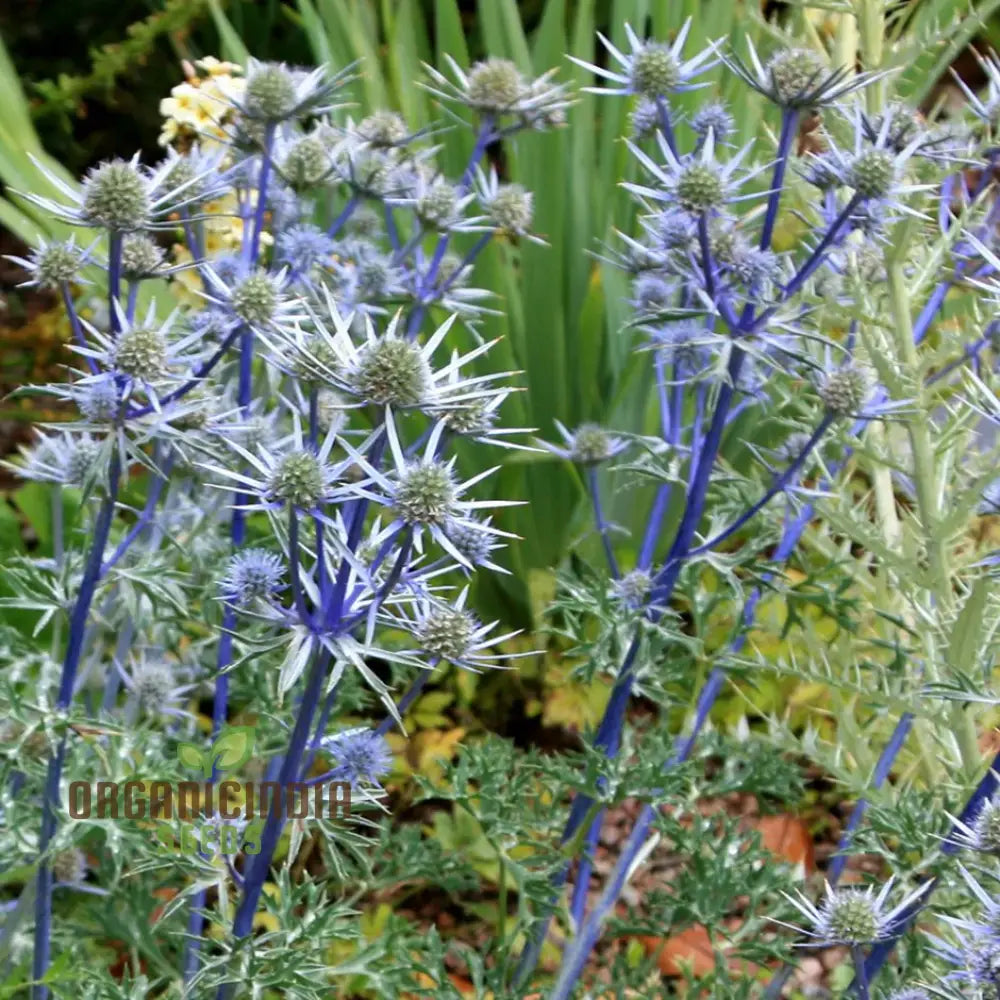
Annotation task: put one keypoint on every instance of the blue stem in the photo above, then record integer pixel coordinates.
(594, 489)
(789, 122)
(114, 279)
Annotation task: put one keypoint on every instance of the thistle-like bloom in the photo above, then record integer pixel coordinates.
(153, 683)
(508, 209)
(651, 69)
(288, 475)
(451, 633)
(497, 87)
(423, 495)
(276, 93)
(257, 299)
(589, 444)
(437, 203)
(304, 247)
(982, 833)
(850, 916)
(64, 457)
(986, 107)
(844, 391)
(120, 196)
(696, 184)
(362, 756)
(53, 264)
(252, 574)
(798, 78)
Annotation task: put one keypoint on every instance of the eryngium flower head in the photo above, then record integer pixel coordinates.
(384, 129)
(425, 494)
(392, 372)
(66, 458)
(51, 265)
(494, 85)
(872, 173)
(845, 391)
(302, 247)
(474, 544)
(651, 69)
(699, 188)
(141, 257)
(270, 93)
(797, 78)
(713, 118)
(511, 209)
(255, 299)
(633, 588)
(116, 197)
(438, 205)
(982, 833)
(69, 867)
(298, 479)
(141, 353)
(98, 401)
(644, 118)
(252, 573)
(589, 444)
(446, 632)
(362, 756)
(307, 163)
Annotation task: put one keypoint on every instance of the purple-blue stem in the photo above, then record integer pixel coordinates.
(114, 280)
(74, 322)
(71, 663)
(159, 480)
(789, 123)
(321, 579)
(666, 125)
(293, 570)
(594, 489)
(345, 213)
(252, 249)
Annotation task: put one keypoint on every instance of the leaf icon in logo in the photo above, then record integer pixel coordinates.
(233, 747)
(190, 755)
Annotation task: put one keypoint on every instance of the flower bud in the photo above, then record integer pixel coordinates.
(425, 494)
(298, 480)
(494, 85)
(116, 197)
(447, 632)
(141, 354)
(392, 372)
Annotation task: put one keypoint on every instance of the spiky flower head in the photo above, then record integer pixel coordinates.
(982, 960)
(316, 362)
(986, 828)
(82, 459)
(438, 206)
(69, 866)
(255, 299)
(153, 683)
(270, 94)
(474, 545)
(851, 917)
(700, 188)
(511, 209)
(252, 573)
(795, 74)
(591, 444)
(54, 264)
(633, 588)
(384, 129)
(872, 173)
(362, 756)
(714, 118)
(141, 257)
(116, 197)
(302, 247)
(446, 632)
(298, 480)
(471, 419)
(494, 85)
(307, 163)
(844, 391)
(141, 353)
(654, 70)
(392, 372)
(644, 118)
(425, 494)
(652, 293)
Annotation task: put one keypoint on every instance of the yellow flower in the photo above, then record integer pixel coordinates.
(217, 67)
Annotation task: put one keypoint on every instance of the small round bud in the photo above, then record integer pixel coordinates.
(651, 293)
(373, 278)
(153, 684)
(437, 207)
(98, 401)
(251, 574)
(644, 118)
(425, 494)
(447, 632)
(850, 916)
(384, 128)
(494, 85)
(392, 372)
(141, 257)
(872, 173)
(633, 588)
(69, 866)
(255, 299)
(116, 197)
(654, 71)
(81, 460)
(362, 755)
(795, 76)
(270, 93)
(713, 118)
(298, 480)
(700, 188)
(475, 545)
(511, 209)
(306, 164)
(56, 263)
(591, 445)
(141, 354)
(844, 392)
